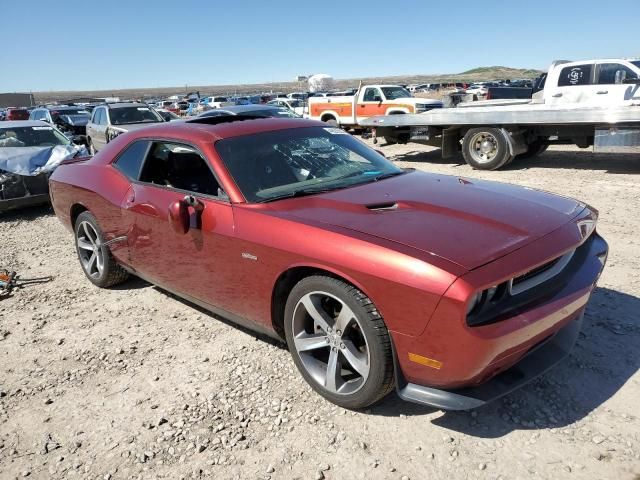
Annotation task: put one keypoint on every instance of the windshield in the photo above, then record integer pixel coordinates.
(31, 137)
(391, 93)
(126, 115)
(68, 111)
(285, 163)
(295, 103)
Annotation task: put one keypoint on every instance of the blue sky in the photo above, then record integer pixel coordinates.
(84, 45)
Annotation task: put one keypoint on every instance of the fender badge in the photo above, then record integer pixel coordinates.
(248, 256)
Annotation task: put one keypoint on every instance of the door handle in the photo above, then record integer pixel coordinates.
(602, 92)
(556, 95)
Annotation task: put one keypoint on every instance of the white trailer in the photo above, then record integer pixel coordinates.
(593, 103)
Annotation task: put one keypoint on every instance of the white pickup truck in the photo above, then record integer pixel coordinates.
(368, 101)
(588, 103)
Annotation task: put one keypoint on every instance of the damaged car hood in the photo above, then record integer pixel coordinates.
(31, 161)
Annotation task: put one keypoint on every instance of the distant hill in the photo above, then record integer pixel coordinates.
(473, 75)
(498, 72)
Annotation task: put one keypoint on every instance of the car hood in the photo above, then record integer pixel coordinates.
(466, 221)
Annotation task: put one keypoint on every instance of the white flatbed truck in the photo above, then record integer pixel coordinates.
(590, 103)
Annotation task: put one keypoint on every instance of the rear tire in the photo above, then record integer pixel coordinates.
(96, 260)
(332, 122)
(331, 326)
(485, 148)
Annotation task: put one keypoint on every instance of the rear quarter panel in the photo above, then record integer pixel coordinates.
(99, 189)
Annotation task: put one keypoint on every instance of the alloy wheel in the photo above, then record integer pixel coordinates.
(330, 343)
(90, 250)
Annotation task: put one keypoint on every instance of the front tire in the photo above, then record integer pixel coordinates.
(95, 258)
(339, 342)
(485, 148)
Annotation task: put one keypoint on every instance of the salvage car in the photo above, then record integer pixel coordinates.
(70, 120)
(29, 151)
(454, 291)
(13, 113)
(111, 119)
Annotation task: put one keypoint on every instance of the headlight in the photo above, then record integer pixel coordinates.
(473, 302)
(481, 298)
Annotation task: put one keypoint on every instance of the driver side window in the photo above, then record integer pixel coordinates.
(179, 166)
(372, 95)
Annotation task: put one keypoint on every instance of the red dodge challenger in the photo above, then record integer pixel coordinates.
(452, 291)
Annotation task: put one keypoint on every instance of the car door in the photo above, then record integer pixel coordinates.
(370, 103)
(611, 90)
(99, 134)
(92, 127)
(200, 264)
(575, 84)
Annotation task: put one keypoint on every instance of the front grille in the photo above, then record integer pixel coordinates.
(536, 271)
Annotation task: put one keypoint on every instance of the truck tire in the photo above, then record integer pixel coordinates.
(331, 120)
(485, 148)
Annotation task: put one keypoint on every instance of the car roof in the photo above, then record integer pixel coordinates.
(248, 108)
(24, 123)
(221, 128)
(123, 105)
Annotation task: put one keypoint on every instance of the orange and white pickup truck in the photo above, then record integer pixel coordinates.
(368, 101)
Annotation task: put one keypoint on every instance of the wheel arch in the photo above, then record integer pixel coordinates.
(289, 278)
(397, 111)
(75, 211)
(330, 115)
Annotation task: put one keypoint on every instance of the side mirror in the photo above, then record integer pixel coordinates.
(179, 217)
(621, 76)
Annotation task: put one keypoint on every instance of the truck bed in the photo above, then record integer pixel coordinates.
(519, 114)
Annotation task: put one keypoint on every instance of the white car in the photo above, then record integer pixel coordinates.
(207, 103)
(296, 106)
(479, 89)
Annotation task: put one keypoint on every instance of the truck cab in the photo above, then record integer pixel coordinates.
(369, 101)
(597, 83)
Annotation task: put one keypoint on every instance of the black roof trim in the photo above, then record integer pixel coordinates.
(215, 120)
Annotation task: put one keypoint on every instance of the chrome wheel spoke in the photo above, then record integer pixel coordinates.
(332, 379)
(356, 359)
(84, 244)
(319, 316)
(305, 342)
(344, 318)
(91, 262)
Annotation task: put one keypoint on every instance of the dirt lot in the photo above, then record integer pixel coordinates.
(134, 383)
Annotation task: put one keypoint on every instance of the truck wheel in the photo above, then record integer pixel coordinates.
(485, 148)
(390, 140)
(331, 121)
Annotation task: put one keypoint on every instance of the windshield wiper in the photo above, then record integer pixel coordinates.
(387, 175)
(297, 193)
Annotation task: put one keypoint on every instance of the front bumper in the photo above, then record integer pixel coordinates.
(535, 363)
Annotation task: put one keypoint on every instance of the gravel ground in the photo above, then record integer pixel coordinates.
(135, 383)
